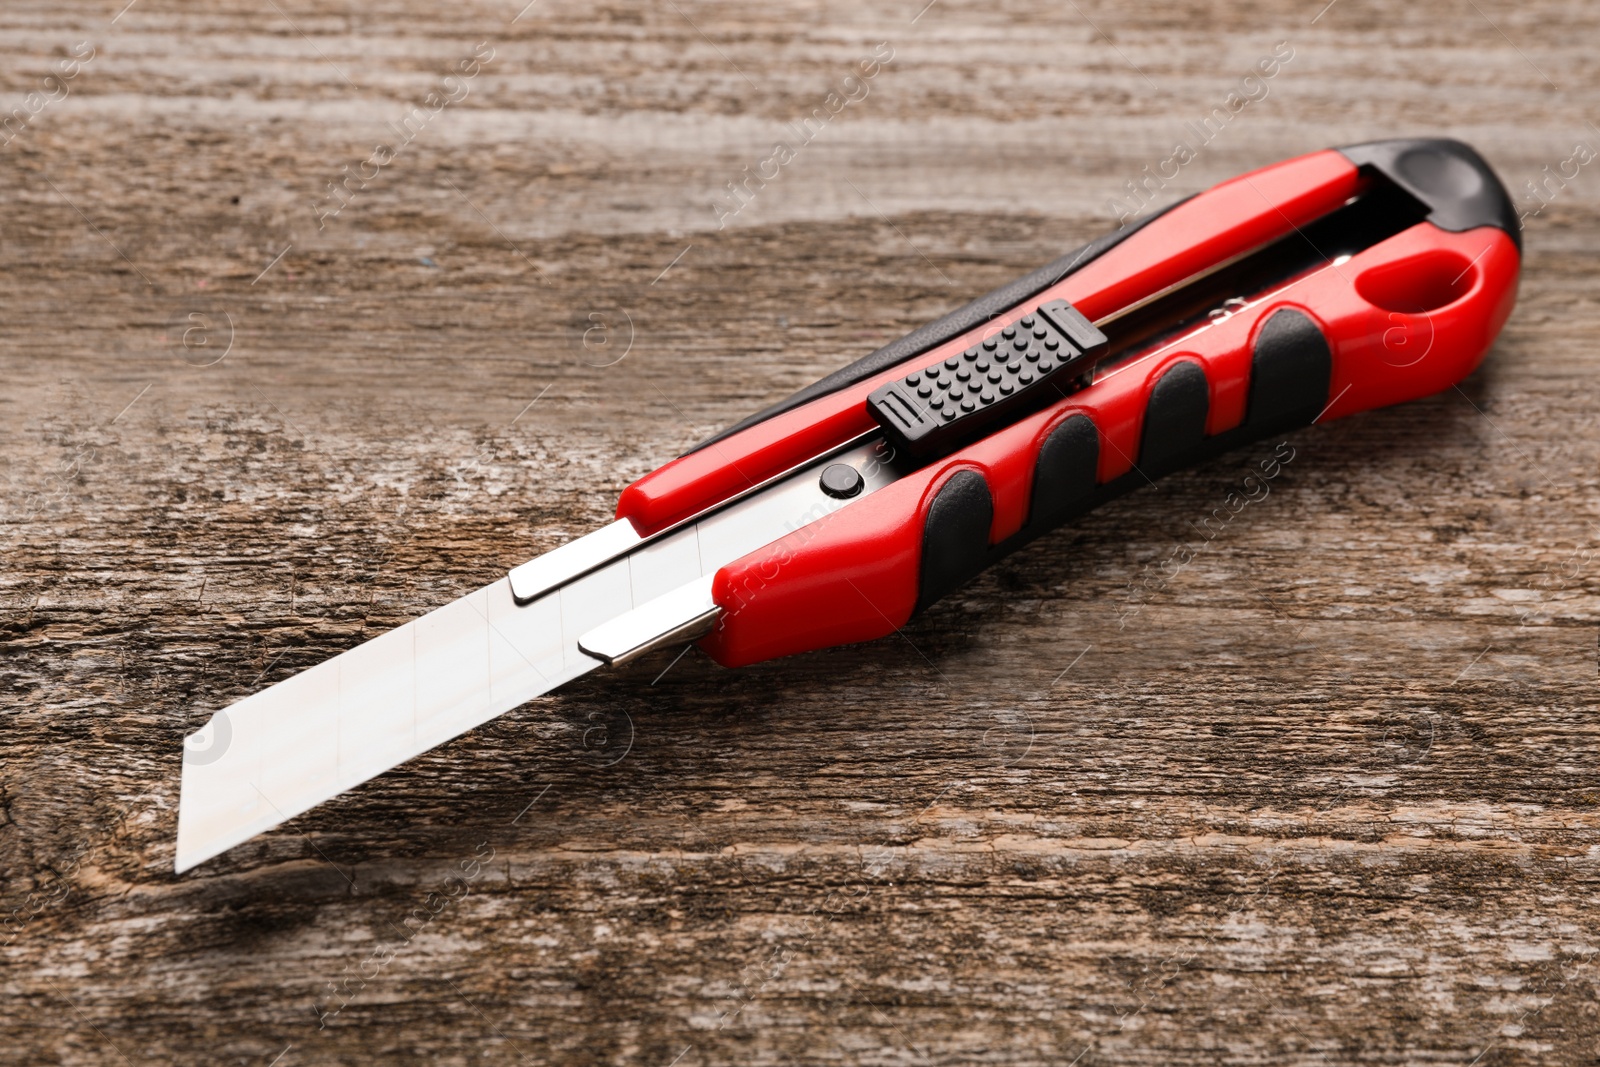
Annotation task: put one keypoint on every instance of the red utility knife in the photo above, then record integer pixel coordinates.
(1309, 290)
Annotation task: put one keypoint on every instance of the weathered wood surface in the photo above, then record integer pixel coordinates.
(1329, 795)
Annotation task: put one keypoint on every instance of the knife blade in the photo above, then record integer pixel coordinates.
(603, 598)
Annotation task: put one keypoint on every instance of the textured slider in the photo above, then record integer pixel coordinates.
(936, 408)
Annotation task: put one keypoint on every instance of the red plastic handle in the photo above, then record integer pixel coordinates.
(1226, 220)
(1404, 318)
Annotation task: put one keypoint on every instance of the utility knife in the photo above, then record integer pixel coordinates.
(1306, 291)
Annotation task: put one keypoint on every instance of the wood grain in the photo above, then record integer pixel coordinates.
(1329, 795)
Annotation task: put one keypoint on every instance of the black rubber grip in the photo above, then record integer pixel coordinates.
(935, 409)
(1174, 420)
(1064, 477)
(955, 539)
(1291, 371)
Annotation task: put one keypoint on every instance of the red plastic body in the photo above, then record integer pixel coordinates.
(1404, 318)
(1226, 220)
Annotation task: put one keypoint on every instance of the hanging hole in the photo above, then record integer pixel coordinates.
(1419, 283)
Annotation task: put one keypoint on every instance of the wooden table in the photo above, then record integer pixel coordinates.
(1329, 795)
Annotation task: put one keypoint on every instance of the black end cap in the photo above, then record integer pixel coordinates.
(1461, 191)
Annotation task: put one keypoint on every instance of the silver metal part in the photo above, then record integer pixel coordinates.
(686, 614)
(276, 753)
(538, 576)
(572, 560)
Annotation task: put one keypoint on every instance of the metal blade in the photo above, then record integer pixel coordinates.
(275, 754)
